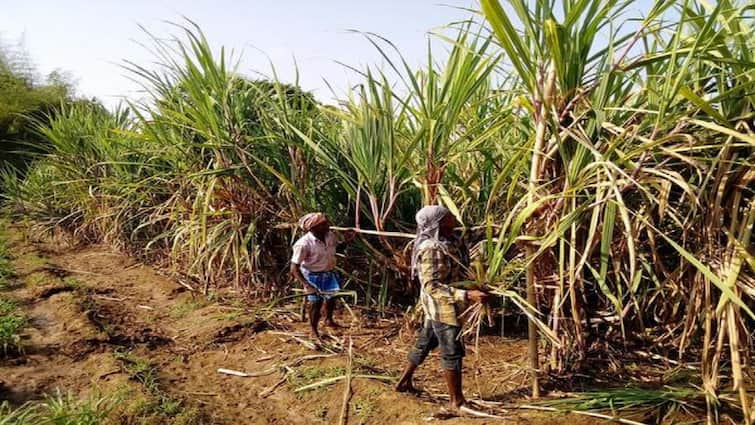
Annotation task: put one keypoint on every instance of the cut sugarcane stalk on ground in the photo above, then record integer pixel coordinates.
(247, 374)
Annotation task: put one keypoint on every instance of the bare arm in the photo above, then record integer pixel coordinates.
(296, 274)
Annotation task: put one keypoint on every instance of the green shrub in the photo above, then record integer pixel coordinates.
(6, 267)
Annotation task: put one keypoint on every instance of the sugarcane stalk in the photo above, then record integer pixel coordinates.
(574, 280)
(347, 388)
(708, 383)
(532, 328)
(535, 170)
(375, 232)
(733, 316)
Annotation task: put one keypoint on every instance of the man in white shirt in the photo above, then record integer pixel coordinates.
(313, 264)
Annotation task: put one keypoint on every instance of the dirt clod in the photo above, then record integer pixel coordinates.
(241, 330)
(49, 291)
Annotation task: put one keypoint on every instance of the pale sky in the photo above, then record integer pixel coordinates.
(90, 39)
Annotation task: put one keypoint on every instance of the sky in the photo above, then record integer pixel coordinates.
(90, 39)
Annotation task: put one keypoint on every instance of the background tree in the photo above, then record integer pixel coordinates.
(24, 99)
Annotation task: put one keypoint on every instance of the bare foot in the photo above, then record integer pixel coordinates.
(332, 324)
(405, 386)
(443, 414)
(315, 336)
(454, 411)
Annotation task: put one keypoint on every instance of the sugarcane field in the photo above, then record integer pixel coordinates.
(398, 212)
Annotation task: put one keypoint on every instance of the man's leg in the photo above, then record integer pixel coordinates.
(453, 382)
(332, 283)
(452, 352)
(330, 306)
(405, 383)
(314, 316)
(426, 342)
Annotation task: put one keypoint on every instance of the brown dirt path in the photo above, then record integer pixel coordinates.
(91, 307)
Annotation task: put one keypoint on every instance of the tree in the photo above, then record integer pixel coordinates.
(24, 100)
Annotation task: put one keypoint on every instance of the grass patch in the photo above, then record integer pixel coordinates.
(321, 413)
(309, 375)
(12, 321)
(161, 408)
(40, 279)
(366, 362)
(180, 310)
(31, 261)
(75, 283)
(230, 317)
(157, 404)
(61, 409)
(138, 369)
(364, 409)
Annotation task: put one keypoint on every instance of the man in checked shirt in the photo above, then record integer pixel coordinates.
(436, 266)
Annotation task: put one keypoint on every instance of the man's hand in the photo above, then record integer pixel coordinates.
(296, 274)
(477, 295)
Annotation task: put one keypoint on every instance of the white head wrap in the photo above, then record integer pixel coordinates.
(428, 223)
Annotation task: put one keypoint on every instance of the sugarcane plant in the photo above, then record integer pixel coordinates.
(624, 144)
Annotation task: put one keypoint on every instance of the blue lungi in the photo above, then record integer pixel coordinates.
(323, 281)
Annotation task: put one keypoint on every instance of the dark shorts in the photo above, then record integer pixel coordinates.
(436, 334)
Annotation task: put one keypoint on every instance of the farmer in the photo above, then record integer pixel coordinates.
(434, 262)
(313, 264)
